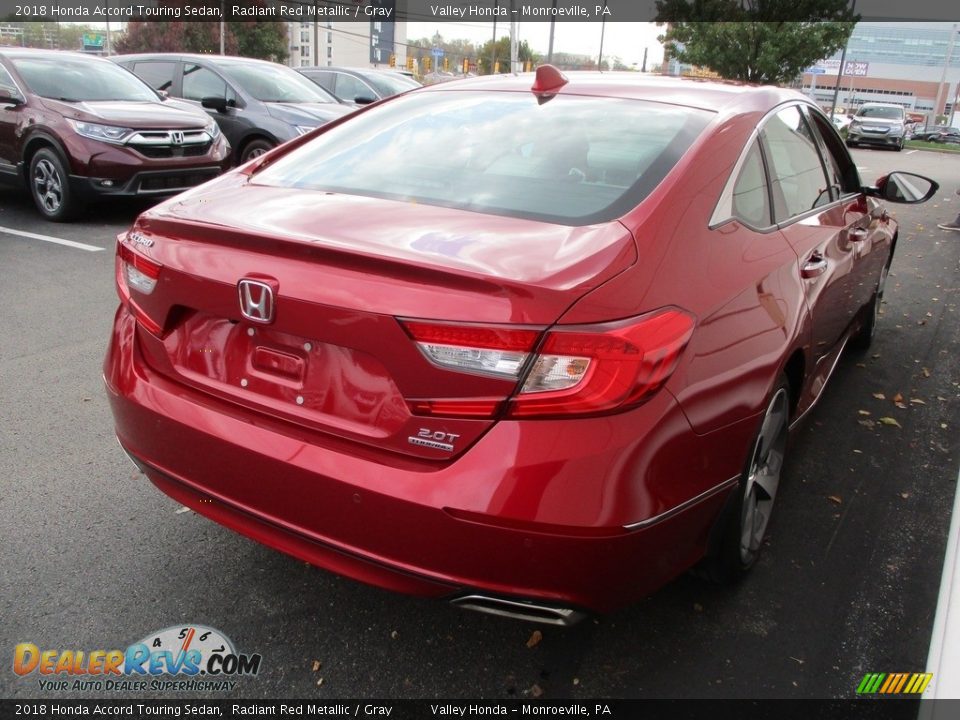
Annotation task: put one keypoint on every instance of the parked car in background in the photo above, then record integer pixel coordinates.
(76, 128)
(533, 344)
(878, 124)
(257, 104)
(937, 134)
(840, 121)
(360, 86)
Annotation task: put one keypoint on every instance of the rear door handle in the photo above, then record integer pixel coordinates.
(816, 265)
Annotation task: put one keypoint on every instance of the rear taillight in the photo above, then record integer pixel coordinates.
(603, 368)
(500, 352)
(578, 370)
(140, 272)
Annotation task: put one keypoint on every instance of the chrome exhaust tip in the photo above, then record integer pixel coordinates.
(520, 610)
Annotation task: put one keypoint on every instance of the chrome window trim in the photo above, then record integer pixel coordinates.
(723, 210)
(23, 95)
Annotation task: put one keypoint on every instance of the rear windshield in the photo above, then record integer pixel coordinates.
(81, 80)
(573, 160)
(886, 113)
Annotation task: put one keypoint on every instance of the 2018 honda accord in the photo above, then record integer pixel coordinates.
(534, 344)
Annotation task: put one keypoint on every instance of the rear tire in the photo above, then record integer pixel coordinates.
(743, 524)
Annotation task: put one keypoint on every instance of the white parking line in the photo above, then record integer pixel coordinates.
(911, 152)
(50, 239)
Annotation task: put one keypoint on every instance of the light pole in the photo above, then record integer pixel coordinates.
(843, 57)
(941, 89)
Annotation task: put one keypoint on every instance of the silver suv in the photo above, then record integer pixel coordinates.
(880, 124)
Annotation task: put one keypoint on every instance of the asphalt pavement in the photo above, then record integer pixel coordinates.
(94, 557)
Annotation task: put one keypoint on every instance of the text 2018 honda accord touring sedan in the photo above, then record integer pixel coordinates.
(533, 344)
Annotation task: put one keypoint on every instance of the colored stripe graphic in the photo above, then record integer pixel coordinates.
(894, 683)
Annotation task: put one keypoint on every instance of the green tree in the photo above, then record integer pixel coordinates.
(484, 64)
(759, 41)
(264, 40)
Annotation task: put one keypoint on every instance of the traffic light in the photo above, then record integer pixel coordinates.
(426, 64)
(393, 60)
(446, 64)
(466, 65)
(409, 62)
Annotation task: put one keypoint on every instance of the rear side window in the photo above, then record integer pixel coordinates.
(158, 75)
(751, 197)
(349, 88)
(797, 179)
(572, 160)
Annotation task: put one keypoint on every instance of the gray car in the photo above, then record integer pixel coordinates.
(257, 104)
(360, 86)
(878, 124)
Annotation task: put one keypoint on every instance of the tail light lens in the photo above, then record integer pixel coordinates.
(140, 272)
(500, 352)
(578, 370)
(603, 368)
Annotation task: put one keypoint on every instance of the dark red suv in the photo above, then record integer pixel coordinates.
(75, 127)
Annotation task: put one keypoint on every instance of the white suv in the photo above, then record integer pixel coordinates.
(878, 124)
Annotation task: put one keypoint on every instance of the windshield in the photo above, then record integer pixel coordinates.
(388, 85)
(275, 83)
(573, 160)
(81, 80)
(885, 113)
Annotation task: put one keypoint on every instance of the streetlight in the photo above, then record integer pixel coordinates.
(943, 76)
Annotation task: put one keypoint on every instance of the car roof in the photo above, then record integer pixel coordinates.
(213, 59)
(713, 95)
(881, 104)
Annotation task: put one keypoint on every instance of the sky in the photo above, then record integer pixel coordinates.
(625, 40)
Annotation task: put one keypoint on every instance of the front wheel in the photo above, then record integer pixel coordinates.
(255, 148)
(864, 336)
(50, 186)
(745, 521)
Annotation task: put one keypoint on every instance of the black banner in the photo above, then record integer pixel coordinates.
(874, 709)
(437, 10)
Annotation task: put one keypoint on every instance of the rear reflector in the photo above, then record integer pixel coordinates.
(579, 370)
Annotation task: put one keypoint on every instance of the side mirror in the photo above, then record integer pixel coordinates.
(215, 103)
(364, 99)
(9, 97)
(904, 187)
(163, 94)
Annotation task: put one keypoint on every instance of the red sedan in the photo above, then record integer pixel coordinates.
(533, 344)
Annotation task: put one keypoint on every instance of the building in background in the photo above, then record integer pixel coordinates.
(325, 43)
(894, 62)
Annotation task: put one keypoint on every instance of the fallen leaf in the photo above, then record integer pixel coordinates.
(898, 398)
(835, 498)
(183, 510)
(917, 401)
(890, 421)
(394, 635)
(535, 639)
(536, 691)
(880, 396)
(798, 660)
(904, 495)
(576, 681)
(943, 426)
(316, 665)
(319, 682)
(859, 452)
(863, 412)
(867, 423)
(902, 406)
(86, 399)
(925, 372)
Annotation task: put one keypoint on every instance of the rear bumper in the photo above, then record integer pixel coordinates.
(506, 519)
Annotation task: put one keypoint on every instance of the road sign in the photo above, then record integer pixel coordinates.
(437, 53)
(816, 70)
(93, 41)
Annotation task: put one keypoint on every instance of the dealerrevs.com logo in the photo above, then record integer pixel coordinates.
(192, 657)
